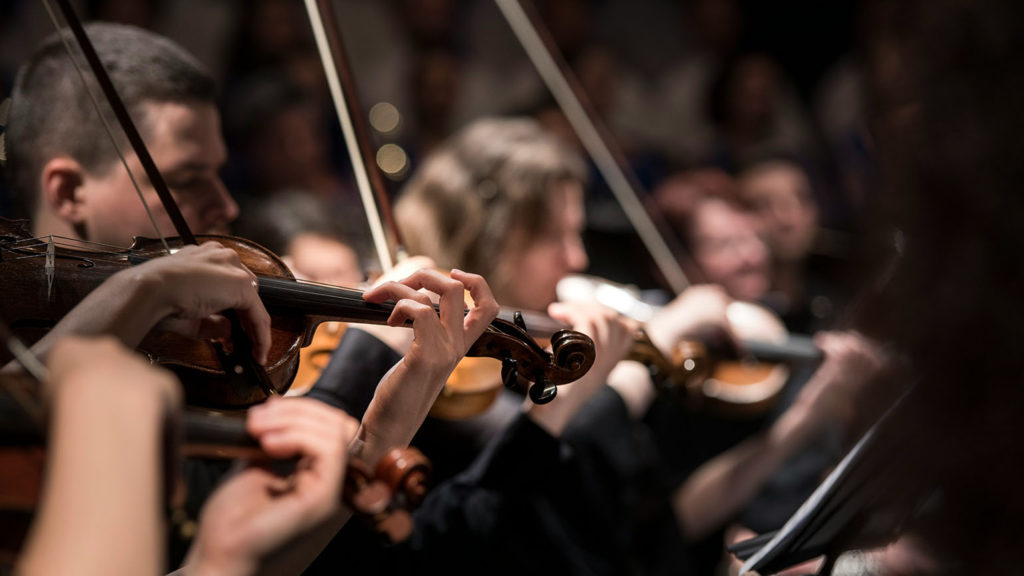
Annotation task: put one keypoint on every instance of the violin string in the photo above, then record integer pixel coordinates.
(103, 119)
(73, 243)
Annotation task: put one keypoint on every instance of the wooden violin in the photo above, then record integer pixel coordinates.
(40, 289)
(707, 374)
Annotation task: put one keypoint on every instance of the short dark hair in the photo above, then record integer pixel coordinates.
(51, 113)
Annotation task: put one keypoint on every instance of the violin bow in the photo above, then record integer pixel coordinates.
(239, 363)
(540, 46)
(341, 82)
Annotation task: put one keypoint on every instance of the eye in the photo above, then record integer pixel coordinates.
(184, 185)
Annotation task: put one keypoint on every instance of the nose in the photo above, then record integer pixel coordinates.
(575, 253)
(222, 208)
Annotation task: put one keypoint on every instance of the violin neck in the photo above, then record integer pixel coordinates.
(796, 349)
(324, 301)
(212, 436)
(538, 324)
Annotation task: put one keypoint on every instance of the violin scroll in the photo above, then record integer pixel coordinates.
(386, 496)
(521, 356)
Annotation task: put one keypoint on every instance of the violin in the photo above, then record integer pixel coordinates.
(383, 496)
(313, 359)
(705, 374)
(51, 279)
(710, 374)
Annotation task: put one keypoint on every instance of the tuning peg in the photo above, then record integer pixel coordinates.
(543, 391)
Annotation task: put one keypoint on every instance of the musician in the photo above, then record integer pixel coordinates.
(947, 135)
(298, 226)
(804, 268)
(504, 197)
(730, 228)
(68, 179)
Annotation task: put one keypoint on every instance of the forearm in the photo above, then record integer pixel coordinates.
(720, 488)
(100, 512)
(292, 559)
(126, 306)
(398, 409)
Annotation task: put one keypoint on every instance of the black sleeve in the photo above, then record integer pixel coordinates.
(623, 478)
(603, 427)
(356, 367)
(515, 510)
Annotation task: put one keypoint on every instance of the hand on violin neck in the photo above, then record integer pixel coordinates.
(256, 514)
(699, 313)
(613, 336)
(399, 339)
(441, 337)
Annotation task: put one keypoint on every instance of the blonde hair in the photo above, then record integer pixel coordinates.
(483, 192)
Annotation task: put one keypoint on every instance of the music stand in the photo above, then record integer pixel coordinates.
(861, 504)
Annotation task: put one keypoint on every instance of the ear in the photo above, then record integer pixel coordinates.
(61, 181)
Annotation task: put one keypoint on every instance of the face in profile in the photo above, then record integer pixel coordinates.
(532, 267)
(781, 196)
(188, 149)
(728, 250)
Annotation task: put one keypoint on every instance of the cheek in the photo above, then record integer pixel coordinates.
(531, 281)
(715, 268)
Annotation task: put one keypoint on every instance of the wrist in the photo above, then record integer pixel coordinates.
(204, 565)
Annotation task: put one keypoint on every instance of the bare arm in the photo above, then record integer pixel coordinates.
(407, 392)
(722, 487)
(101, 509)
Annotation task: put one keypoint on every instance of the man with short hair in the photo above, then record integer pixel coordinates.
(65, 173)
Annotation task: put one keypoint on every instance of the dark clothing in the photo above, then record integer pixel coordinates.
(507, 514)
(589, 504)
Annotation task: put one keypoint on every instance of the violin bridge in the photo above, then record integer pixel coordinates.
(50, 268)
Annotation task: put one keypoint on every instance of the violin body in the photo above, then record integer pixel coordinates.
(38, 295)
(470, 390)
(313, 359)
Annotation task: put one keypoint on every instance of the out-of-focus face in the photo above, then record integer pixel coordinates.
(186, 144)
(534, 270)
(754, 92)
(322, 259)
(785, 208)
(729, 251)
